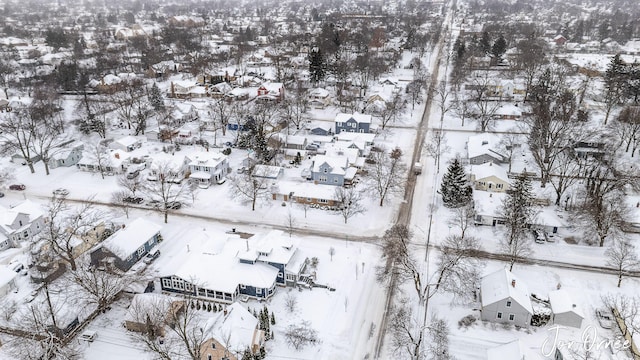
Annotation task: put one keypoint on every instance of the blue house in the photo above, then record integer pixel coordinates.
(237, 270)
(329, 170)
(359, 123)
(127, 246)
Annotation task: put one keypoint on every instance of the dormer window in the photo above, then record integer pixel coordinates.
(325, 170)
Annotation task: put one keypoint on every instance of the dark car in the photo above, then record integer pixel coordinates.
(17, 187)
(133, 200)
(175, 205)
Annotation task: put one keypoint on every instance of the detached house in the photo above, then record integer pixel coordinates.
(228, 333)
(360, 123)
(20, 223)
(329, 170)
(128, 245)
(127, 143)
(207, 167)
(271, 92)
(565, 310)
(505, 299)
(66, 157)
(483, 148)
(489, 177)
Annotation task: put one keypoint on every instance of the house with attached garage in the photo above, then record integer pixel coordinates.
(20, 223)
(505, 299)
(329, 170)
(360, 123)
(127, 246)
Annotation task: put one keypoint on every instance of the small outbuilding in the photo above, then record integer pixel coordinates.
(564, 309)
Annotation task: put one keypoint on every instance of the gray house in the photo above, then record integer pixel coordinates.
(359, 123)
(484, 148)
(565, 310)
(505, 299)
(329, 170)
(67, 157)
(128, 245)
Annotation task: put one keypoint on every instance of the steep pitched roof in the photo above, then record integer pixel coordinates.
(501, 285)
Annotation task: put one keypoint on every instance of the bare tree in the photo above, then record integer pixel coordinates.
(483, 99)
(65, 225)
(443, 99)
(17, 136)
(407, 334)
(510, 142)
(388, 111)
(627, 307)
(349, 202)
(621, 255)
(565, 173)
(290, 222)
(222, 112)
(250, 186)
(517, 213)
(438, 339)
(627, 128)
(121, 198)
(332, 251)
(300, 335)
(168, 187)
(294, 108)
(462, 109)
(463, 217)
(458, 268)
(130, 185)
(291, 302)
(436, 145)
(387, 173)
(99, 288)
(99, 153)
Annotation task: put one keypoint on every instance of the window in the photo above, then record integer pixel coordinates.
(499, 316)
(150, 242)
(498, 186)
(242, 287)
(353, 124)
(166, 283)
(209, 356)
(325, 170)
(141, 251)
(511, 317)
(335, 180)
(322, 178)
(280, 275)
(213, 345)
(25, 234)
(508, 303)
(259, 291)
(323, 201)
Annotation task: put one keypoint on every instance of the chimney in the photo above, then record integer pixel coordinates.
(513, 283)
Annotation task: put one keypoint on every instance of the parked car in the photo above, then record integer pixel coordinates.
(88, 335)
(1, 194)
(221, 181)
(133, 174)
(604, 318)
(152, 255)
(175, 205)
(550, 237)
(539, 236)
(17, 187)
(60, 192)
(154, 203)
(133, 200)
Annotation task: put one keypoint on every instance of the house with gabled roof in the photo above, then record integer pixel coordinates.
(319, 98)
(483, 148)
(20, 223)
(128, 245)
(565, 311)
(7, 280)
(505, 299)
(151, 312)
(207, 167)
(329, 170)
(514, 350)
(68, 156)
(127, 143)
(229, 333)
(360, 123)
(271, 92)
(489, 177)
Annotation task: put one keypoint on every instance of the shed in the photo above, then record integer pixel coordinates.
(7, 283)
(565, 310)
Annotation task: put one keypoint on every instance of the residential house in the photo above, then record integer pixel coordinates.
(18, 158)
(295, 142)
(219, 90)
(163, 69)
(127, 143)
(186, 21)
(487, 207)
(20, 223)
(360, 123)
(229, 332)
(219, 275)
(207, 167)
(489, 177)
(588, 150)
(564, 309)
(184, 112)
(514, 350)
(271, 92)
(329, 170)
(305, 193)
(319, 98)
(322, 130)
(151, 312)
(508, 112)
(186, 89)
(505, 299)
(7, 280)
(128, 245)
(66, 157)
(485, 147)
(559, 40)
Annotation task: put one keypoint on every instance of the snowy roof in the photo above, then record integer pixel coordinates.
(235, 328)
(319, 92)
(514, 350)
(148, 304)
(6, 276)
(354, 136)
(125, 242)
(273, 247)
(222, 270)
(486, 170)
(482, 144)
(488, 203)
(501, 285)
(359, 118)
(267, 171)
(296, 139)
(307, 190)
(30, 208)
(128, 141)
(561, 302)
(547, 216)
(338, 164)
(209, 159)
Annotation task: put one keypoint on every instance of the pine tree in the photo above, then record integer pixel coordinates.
(155, 98)
(499, 47)
(316, 65)
(455, 190)
(517, 208)
(246, 355)
(273, 319)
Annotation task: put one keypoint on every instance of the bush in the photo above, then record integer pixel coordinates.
(226, 151)
(466, 321)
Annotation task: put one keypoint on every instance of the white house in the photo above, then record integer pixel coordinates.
(127, 143)
(228, 333)
(207, 167)
(505, 299)
(20, 223)
(489, 177)
(565, 310)
(484, 148)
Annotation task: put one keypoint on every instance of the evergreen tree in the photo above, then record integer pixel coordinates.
(455, 190)
(316, 65)
(246, 355)
(499, 47)
(155, 98)
(517, 208)
(485, 43)
(273, 319)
